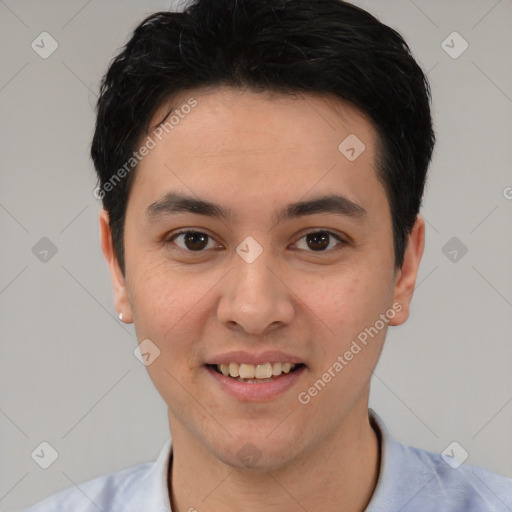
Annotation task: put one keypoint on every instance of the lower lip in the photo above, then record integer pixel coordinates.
(251, 391)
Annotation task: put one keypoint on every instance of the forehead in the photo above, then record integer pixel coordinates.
(304, 122)
(247, 143)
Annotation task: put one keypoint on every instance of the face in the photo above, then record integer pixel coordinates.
(252, 238)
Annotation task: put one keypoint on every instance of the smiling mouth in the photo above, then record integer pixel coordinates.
(255, 373)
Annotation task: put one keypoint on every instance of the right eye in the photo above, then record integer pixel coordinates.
(192, 241)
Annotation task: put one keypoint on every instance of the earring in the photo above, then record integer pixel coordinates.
(121, 316)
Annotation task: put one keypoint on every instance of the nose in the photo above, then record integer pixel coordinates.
(255, 297)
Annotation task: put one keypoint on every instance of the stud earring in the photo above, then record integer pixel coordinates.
(121, 316)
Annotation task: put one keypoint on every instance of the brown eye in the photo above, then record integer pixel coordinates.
(319, 241)
(191, 240)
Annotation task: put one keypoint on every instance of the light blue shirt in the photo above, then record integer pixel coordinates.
(410, 480)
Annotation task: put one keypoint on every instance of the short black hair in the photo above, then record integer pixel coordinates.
(326, 47)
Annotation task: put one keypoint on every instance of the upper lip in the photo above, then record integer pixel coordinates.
(240, 356)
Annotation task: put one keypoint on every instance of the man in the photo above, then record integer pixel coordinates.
(261, 166)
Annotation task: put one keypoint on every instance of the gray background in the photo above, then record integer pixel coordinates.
(68, 375)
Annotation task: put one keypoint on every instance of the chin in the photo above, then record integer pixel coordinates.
(251, 458)
(256, 450)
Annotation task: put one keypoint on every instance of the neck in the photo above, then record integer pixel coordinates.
(339, 474)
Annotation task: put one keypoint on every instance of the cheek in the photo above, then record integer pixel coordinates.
(156, 303)
(345, 303)
(351, 334)
(169, 307)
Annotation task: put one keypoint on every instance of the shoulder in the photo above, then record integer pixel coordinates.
(107, 492)
(415, 480)
(447, 485)
(141, 487)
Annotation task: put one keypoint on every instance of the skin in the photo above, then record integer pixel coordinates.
(254, 153)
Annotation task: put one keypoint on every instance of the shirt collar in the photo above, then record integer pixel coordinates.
(156, 488)
(403, 473)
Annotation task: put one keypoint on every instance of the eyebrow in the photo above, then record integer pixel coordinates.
(173, 203)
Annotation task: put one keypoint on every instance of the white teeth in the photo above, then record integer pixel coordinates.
(276, 368)
(247, 371)
(261, 372)
(233, 369)
(287, 367)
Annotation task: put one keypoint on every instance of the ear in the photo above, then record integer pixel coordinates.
(406, 276)
(121, 301)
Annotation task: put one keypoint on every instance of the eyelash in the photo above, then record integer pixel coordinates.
(340, 240)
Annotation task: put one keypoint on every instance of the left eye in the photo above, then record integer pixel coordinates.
(319, 241)
(316, 241)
